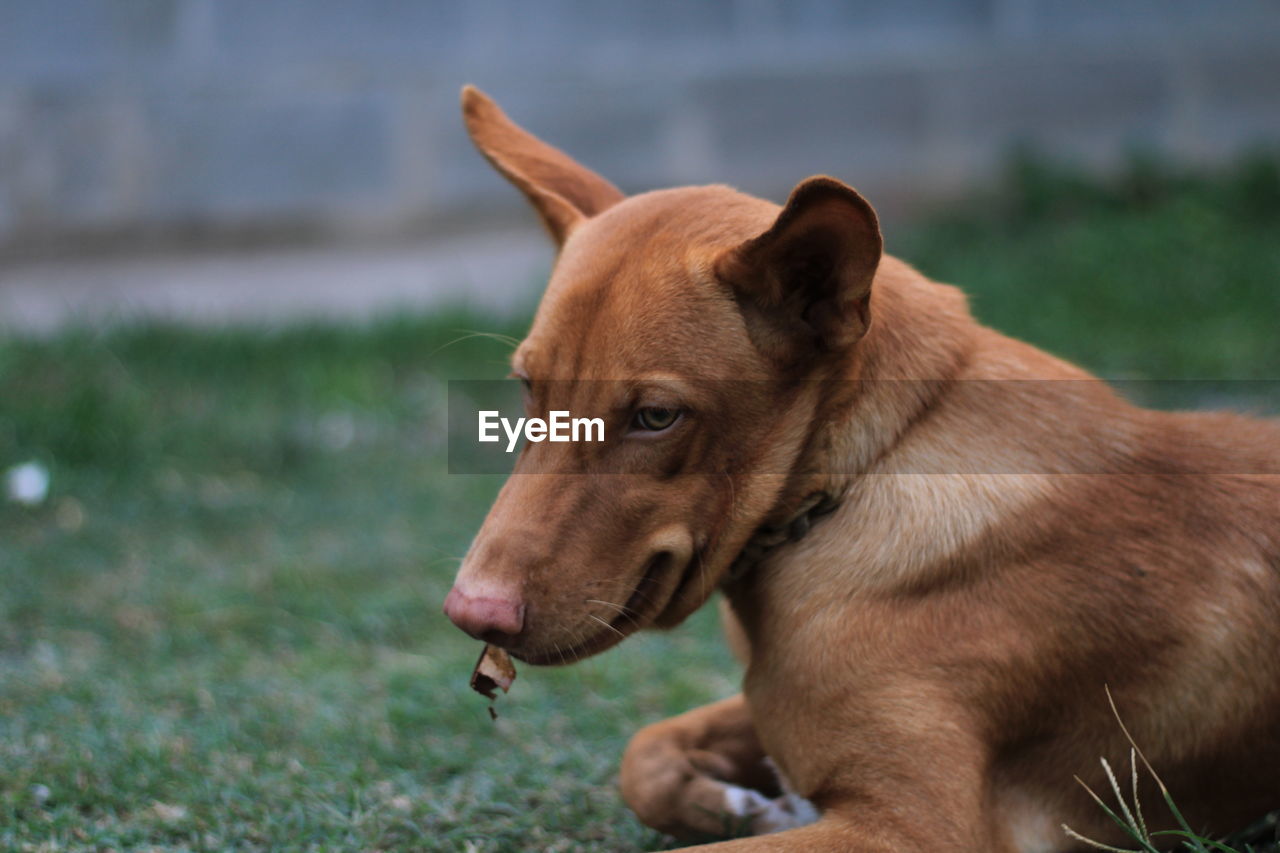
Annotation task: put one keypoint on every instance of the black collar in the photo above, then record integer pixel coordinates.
(770, 536)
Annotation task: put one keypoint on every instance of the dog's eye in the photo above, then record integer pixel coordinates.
(653, 419)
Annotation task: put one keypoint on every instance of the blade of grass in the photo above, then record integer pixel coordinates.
(1129, 830)
(1164, 790)
(1137, 803)
(1098, 845)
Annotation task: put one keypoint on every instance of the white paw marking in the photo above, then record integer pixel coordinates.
(766, 815)
(744, 802)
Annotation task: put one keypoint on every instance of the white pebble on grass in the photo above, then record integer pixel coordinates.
(168, 812)
(27, 483)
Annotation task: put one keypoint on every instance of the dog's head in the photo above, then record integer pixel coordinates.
(691, 321)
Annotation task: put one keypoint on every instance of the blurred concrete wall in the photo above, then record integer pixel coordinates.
(172, 120)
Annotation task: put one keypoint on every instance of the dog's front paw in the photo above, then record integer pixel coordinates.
(704, 774)
(688, 793)
(764, 814)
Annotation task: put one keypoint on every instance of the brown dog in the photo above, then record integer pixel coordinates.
(928, 665)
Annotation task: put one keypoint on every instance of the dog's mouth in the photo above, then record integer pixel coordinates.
(649, 599)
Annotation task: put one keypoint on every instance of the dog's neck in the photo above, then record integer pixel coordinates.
(769, 537)
(920, 340)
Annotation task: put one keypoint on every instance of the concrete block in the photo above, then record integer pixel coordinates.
(1056, 100)
(1247, 78)
(653, 22)
(399, 33)
(61, 163)
(1147, 21)
(872, 20)
(81, 37)
(229, 155)
(1240, 98)
(8, 215)
(770, 131)
(237, 112)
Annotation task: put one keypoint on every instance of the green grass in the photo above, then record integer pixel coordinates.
(1158, 274)
(223, 629)
(230, 607)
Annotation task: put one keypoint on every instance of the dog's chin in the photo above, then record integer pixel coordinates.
(558, 655)
(664, 596)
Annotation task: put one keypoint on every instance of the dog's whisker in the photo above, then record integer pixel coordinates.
(468, 335)
(606, 624)
(635, 621)
(618, 607)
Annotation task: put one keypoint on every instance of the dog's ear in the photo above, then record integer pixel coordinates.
(805, 284)
(562, 191)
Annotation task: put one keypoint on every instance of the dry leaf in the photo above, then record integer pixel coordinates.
(493, 670)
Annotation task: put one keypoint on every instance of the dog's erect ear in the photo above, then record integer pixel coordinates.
(563, 191)
(805, 283)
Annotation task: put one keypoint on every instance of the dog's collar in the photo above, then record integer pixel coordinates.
(770, 536)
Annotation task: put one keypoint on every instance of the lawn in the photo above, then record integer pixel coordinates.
(223, 630)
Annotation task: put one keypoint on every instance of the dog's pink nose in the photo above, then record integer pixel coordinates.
(490, 617)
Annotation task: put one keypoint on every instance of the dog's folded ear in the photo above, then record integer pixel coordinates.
(805, 284)
(562, 191)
